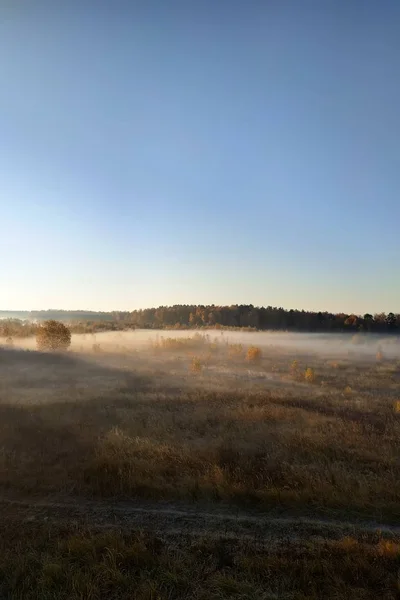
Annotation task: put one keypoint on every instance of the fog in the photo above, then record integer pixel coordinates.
(329, 345)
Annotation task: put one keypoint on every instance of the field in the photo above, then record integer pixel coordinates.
(159, 465)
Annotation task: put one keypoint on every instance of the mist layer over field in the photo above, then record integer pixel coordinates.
(337, 345)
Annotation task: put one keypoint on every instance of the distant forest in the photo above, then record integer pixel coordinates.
(192, 317)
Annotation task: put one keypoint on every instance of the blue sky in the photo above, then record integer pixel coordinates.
(187, 151)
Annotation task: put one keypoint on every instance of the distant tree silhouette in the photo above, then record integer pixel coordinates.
(391, 321)
(183, 316)
(351, 321)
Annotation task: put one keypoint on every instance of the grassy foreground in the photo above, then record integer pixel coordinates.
(39, 562)
(275, 431)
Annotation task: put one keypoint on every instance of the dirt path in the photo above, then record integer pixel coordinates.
(166, 519)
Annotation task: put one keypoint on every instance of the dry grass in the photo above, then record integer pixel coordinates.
(43, 562)
(182, 343)
(136, 423)
(235, 351)
(196, 365)
(136, 430)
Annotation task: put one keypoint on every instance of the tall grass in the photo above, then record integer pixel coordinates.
(71, 562)
(69, 425)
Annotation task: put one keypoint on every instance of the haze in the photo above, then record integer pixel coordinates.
(325, 345)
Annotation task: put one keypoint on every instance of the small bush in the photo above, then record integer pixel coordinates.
(254, 354)
(53, 335)
(294, 367)
(9, 342)
(388, 548)
(181, 343)
(196, 365)
(309, 375)
(235, 350)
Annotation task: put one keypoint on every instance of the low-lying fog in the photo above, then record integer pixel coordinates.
(362, 345)
(104, 364)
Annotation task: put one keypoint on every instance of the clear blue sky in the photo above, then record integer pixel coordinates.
(200, 151)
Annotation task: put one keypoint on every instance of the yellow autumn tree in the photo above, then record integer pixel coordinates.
(53, 335)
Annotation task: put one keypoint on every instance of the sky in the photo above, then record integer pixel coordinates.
(194, 151)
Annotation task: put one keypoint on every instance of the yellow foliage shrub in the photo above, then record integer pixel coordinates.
(254, 354)
(309, 375)
(389, 548)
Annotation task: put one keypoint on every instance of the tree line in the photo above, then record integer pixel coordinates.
(207, 316)
(261, 318)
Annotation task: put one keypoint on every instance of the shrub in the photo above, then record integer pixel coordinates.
(196, 365)
(9, 342)
(53, 335)
(254, 354)
(181, 343)
(294, 367)
(309, 375)
(235, 350)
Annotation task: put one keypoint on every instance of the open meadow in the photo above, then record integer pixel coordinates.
(259, 465)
